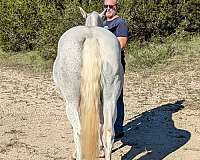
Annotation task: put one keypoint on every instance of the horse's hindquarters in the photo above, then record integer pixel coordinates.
(67, 76)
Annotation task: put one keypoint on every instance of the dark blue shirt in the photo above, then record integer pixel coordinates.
(120, 29)
(117, 26)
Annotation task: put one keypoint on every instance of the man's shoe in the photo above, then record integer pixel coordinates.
(119, 135)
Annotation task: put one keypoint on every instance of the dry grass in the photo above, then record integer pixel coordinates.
(152, 54)
(24, 61)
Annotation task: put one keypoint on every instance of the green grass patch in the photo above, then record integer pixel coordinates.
(139, 56)
(25, 60)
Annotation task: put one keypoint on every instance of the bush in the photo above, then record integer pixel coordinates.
(56, 19)
(190, 15)
(19, 24)
(161, 18)
(33, 24)
(38, 24)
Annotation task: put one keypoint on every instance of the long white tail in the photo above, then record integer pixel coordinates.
(90, 99)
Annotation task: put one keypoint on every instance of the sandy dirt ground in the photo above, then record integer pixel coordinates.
(162, 115)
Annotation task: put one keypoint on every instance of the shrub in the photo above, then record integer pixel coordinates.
(161, 18)
(55, 21)
(190, 15)
(19, 24)
(38, 24)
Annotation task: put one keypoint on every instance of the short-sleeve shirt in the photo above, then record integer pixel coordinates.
(117, 26)
(120, 29)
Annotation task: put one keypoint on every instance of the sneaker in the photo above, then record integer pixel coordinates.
(119, 135)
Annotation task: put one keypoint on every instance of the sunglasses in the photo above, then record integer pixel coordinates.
(109, 6)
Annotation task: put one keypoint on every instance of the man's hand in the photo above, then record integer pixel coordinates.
(123, 41)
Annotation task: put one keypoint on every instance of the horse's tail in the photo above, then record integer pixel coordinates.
(90, 99)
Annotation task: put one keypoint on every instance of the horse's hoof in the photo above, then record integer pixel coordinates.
(101, 154)
(73, 157)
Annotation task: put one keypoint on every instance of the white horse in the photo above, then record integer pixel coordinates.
(89, 75)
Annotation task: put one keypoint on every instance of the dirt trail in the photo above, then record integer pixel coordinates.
(162, 115)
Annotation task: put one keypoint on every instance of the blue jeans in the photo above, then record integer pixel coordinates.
(118, 126)
(120, 114)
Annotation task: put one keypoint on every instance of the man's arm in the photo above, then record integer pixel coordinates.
(123, 41)
(122, 33)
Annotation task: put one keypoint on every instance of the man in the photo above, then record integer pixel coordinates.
(119, 28)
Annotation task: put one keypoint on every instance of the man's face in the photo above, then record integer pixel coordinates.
(111, 7)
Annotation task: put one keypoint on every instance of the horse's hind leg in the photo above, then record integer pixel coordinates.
(101, 147)
(108, 131)
(110, 96)
(72, 114)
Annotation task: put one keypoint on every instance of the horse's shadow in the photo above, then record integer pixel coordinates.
(152, 134)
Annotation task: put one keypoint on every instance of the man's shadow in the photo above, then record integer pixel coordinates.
(152, 134)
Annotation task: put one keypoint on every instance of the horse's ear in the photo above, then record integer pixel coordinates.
(102, 14)
(84, 13)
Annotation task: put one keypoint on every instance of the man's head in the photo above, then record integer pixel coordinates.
(111, 6)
